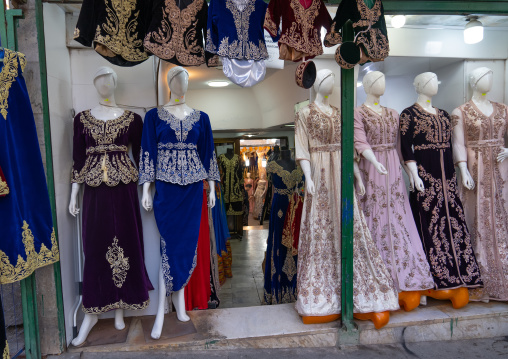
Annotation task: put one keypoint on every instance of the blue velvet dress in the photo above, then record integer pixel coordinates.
(281, 264)
(220, 222)
(177, 154)
(28, 239)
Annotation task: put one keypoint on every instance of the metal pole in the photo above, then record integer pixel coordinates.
(347, 105)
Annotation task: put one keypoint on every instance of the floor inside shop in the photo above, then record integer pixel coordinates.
(245, 288)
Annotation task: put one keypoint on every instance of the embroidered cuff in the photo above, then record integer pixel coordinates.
(146, 168)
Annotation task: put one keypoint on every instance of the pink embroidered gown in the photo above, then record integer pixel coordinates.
(477, 140)
(317, 139)
(385, 203)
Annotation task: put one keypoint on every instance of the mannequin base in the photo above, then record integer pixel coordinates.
(314, 319)
(458, 296)
(378, 319)
(409, 300)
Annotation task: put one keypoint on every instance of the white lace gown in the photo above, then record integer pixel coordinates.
(319, 253)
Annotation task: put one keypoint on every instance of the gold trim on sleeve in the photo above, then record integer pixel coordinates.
(8, 75)
(4, 189)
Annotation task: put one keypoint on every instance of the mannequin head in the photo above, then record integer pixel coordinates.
(426, 84)
(105, 80)
(248, 174)
(374, 83)
(178, 81)
(481, 79)
(325, 80)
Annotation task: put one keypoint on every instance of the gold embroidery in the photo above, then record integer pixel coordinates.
(289, 266)
(432, 146)
(269, 24)
(34, 260)
(375, 44)
(6, 354)
(368, 16)
(118, 305)
(77, 33)
(101, 165)
(291, 179)
(280, 213)
(118, 262)
(121, 29)
(8, 75)
(4, 188)
(209, 43)
(231, 180)
(177, 34)
(333, 37)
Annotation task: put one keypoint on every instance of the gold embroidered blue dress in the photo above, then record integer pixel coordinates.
(28, 240)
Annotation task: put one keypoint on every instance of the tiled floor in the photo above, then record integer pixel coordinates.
(245, 289)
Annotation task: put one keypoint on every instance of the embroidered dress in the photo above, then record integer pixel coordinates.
(438, 211)
(368, 24)
(317, 139)
(177, 32)
(281, 262)
(235, 29)
(114, 275)
(479, 141)
(385, 203)
(4, 188)
(301, 27)
(177, 154)
(115, 29)
(28, 239)
(259, 197)
(232, 178)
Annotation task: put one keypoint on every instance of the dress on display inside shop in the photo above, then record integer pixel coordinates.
(302, 21)
(4, 346)
(318, 140)
(371, 38)
(222, 235)
(177, 32)
(28, 237)
(115, 29)
(235, 33)
(259, 196)
(4, 187)
(437, 210)
(114, 274)
(281, 260)
(486, 206)
(232, 179)
(177, 154)
(215, 285)
(385, 203)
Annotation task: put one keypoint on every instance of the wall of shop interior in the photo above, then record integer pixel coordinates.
(266, 105)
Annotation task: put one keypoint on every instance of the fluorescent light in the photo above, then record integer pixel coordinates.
(249, 135)
(473, 33)
(289, 125)
(218, 83)
(398, 21)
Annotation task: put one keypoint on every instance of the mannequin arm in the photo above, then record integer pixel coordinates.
(309, 185)
(371, 157)
(146, 200)
(360, 188)
(414, 173)
(211, 196)
(502, 155)
(409, 175)
(467, 179)
(73, 205)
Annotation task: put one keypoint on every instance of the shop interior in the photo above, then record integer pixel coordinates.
(251, 123)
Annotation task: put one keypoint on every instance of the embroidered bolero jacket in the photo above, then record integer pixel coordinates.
(369, 26)
(179, 151)
(177, 32)
(235, 33)
(100, 149)
(301, 27)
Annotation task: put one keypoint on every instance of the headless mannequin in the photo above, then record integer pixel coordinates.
(178, 85)
(426, 86)
(285, 161)
(276, 149)
(105, 82)
(230, 153)
(480, 80)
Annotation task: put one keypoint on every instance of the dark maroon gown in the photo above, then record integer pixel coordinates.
(114, 272)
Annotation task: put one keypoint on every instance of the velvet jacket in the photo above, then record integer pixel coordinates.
(115, 28)
(177, 31)
(369, 26)
(235, 33)
(301, 27)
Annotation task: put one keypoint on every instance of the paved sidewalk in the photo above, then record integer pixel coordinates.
(463, 349)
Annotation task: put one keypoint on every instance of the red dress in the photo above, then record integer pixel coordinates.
(301, 27)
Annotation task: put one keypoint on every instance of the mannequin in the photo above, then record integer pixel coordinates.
(259, 195)
(479, 151)
(425, 138)
(249, 187)
(317, 143)
(105, 81)
(178, 80)
(385, 204)
(230, 153)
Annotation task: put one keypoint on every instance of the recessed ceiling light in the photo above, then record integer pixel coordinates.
(218, 83)
(249, 135)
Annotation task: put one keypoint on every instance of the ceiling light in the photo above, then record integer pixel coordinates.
(249, 135)
(473, 33)
(398, 21)
(218, 83)
(289, 125)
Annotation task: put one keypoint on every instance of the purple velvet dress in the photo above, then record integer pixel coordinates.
(114, 272)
